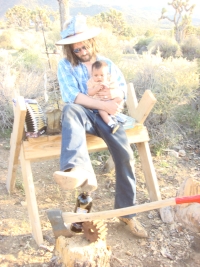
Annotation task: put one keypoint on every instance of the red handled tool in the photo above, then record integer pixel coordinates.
(70, 217)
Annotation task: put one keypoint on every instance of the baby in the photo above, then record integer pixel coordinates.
(101, 78)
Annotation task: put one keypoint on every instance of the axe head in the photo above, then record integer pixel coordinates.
(57, 223)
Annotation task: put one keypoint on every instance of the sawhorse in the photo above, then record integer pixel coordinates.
(45, 147)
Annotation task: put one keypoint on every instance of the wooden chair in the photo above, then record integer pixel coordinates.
(45, 147)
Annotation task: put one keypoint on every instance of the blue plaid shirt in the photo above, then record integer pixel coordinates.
(73, 80)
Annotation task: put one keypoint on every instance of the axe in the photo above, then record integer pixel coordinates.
(60, 219)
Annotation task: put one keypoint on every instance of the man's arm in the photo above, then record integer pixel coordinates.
(71, 93)
(111, 107)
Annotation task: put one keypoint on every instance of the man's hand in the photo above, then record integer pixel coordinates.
(112, 107)
(98, 87)
(108, 94)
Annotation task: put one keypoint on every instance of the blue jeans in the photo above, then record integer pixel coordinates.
(76, 122)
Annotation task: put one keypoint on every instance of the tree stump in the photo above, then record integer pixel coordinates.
(189, 214)
(78, 252)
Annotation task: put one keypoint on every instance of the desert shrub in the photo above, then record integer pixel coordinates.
(31, 60)
(142, 44)
(6, 40)
(191, 48)
(6, 87)
(173, 81)
(16, 79)
(53, 35)
(167, 46)
(2, 25)
(189, 118)
(107, 45)
(14, 39)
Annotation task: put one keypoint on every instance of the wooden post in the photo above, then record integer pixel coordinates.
(149, 171)
(31, 199)
(141, 110)
(15, 142)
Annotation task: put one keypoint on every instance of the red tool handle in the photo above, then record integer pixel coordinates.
(182, 200)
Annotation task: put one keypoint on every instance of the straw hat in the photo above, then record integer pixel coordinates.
(76, 30)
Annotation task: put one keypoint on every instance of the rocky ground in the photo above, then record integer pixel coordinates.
(168, 245)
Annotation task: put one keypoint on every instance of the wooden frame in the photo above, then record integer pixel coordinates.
(48, 147)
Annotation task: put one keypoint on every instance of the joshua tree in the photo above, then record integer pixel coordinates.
(64, 11)
(182, 17)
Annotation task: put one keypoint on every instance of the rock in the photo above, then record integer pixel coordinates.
(182, 153)
(167, 214)
(173, 153)
(24, 203)
(96, 162)
(109, 165)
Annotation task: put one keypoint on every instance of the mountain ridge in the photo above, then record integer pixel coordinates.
(134, 13)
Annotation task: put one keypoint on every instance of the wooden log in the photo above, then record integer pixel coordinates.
(189, 217)
(189, 214)
(78, 252)
(31, 199)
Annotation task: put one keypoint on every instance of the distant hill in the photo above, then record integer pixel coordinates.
(140, 12)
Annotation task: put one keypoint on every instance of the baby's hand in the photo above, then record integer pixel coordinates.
(99, 87)
(105, 85)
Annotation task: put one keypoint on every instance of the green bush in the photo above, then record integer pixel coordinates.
(189, 117)
(167, 46)
(191, 48)
(142, 44)
(31, 60)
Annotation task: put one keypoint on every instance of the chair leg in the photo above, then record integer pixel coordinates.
(149, 171)
(31, 199)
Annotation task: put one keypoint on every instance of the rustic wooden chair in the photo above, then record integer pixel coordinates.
(45, 147)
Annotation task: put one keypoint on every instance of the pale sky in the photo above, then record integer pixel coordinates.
(143, 3)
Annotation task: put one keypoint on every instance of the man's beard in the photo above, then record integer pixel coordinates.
(85, 58)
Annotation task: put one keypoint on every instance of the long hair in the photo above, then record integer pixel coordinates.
(71, 56)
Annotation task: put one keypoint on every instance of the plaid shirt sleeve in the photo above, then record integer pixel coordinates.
(72, 81)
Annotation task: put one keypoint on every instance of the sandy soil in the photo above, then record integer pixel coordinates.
(167, 244)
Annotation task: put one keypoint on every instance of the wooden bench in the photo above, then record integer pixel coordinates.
(45, 147)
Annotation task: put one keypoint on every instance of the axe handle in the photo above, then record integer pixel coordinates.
(70, 217)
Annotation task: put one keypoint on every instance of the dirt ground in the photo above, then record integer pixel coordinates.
(168, 245)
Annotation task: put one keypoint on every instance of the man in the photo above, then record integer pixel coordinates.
(80, 117)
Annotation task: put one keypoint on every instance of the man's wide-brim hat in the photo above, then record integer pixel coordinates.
(76, 30)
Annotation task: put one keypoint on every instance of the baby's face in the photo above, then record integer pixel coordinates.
(100, 75)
